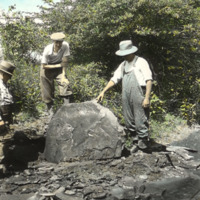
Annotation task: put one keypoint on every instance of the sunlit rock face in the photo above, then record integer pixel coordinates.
(83, 131)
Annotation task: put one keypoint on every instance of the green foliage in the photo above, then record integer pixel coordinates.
(25, 87)
(87, 82)
(21, 37)
(167, 33)
(170, 124)
(157, 107)
(189, 111)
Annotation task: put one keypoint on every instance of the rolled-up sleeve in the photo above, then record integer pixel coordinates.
(44, 59)
(145, 69)
(67, 51)
(117, 75)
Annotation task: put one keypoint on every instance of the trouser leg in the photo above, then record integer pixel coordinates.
(135, 115)
(129, 117)
(142, 126)
(142, 119)
(5, 143)
(3, 133)
(6, 113)
(141, 122)
(47, 85)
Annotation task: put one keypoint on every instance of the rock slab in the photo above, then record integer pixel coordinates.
(191, 142)
(83, 131)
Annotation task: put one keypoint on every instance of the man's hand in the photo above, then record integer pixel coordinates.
(108, 86)
(100, 97)
(64, 81)
(146, 103)
(2, 123)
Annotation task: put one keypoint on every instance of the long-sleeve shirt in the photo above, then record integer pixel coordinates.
(5, 96)
(140, 67)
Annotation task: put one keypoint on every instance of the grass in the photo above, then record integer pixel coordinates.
(172, 128)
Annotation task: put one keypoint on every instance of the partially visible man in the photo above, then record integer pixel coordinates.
(53, 67)
(6, 102)
(136, 79)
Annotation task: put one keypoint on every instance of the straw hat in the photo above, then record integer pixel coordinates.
(125, 48)
(59, 36)
(7, 67)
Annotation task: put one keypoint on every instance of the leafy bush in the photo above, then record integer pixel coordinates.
(21, 39)
(25, 87)
(157, 107)
(171, 127)
(167, 33)
(87, 82)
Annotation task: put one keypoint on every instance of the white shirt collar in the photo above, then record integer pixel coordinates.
(51, 48)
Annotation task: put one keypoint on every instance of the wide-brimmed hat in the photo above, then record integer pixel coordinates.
(7, 67)
(59, 36)
(125, 48)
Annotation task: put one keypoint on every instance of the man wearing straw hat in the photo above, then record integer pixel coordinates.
(136, 79)
(53, 67)
(6, 101)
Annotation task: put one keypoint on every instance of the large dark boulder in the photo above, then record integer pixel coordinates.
(83, 131)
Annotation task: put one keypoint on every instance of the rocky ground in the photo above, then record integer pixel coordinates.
(157, 174)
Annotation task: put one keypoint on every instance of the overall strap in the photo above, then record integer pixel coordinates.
(124, 63)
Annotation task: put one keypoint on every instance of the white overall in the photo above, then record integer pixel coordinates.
(136, 117)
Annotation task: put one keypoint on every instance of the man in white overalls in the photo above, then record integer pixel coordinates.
(136, 79)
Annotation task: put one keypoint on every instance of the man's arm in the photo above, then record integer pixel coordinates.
(108, 86)
(64, 66)
(146, 102)
(44, 66)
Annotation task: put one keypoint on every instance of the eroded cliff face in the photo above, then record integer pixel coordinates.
(166, 172)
